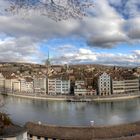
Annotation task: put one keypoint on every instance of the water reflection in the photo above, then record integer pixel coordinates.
(65, 113)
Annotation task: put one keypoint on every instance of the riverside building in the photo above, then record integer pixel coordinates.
(26, 85)
(104, 84)
(2, 83)
(58, 87)
(125, 86)
(16, 85)
(80, 88)
(8, 85)
(40, 84)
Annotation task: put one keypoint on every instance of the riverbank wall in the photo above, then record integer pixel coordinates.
(36, 97)
(75, 99)
(117, 132)
(116, 98)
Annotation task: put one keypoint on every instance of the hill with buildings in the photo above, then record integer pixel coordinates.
(86, 79)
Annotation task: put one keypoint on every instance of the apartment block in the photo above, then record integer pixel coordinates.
(40, 84)
(26, 85)
(8, 85)
(16, 85)
(2, 83)
(125, 86)
(104, 84)
(80, 88)
(58, 86)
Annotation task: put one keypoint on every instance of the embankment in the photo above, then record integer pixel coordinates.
(75, 99)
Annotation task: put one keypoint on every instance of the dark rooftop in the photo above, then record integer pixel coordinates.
(116, 132)
(11, 131)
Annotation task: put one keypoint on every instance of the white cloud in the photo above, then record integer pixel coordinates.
(87, 55)
(105, 27)
(19, 50)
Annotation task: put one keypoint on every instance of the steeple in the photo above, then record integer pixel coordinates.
(48, 55)
(47, 63)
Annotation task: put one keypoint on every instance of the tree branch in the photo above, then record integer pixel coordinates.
(61, 10)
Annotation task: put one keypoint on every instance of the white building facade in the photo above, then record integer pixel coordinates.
(104, 84)
(26, 86)
(125, 86)
(80, 88)
(58, 87)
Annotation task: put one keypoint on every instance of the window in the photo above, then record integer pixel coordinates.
(38, 137)
(104, 83)
(30, 136)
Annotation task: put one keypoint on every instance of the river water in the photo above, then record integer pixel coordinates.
(22, 110)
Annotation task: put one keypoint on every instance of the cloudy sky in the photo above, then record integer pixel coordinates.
(109, 35)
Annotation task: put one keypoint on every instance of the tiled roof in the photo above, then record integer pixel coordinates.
(28, 79)
(12, 131)
(9, 75)
(84, 133)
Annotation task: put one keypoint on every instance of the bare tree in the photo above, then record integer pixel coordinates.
(54, 9)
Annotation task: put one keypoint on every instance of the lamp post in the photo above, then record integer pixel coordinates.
(92, 123)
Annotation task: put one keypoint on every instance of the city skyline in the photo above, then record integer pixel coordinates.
(109, 35)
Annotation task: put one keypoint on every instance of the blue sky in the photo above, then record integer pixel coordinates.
(109, 35)
(81, 43)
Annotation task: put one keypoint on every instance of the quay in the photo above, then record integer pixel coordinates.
(75, 98)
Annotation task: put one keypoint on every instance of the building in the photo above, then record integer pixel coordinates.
(8, 85)
(53, 132)
(23, 85)
(26, 85)
(11, 82)
(40, 84)
(91, 91)
(2, 83)
(16, 85)
(138, 69)
(65, 87)
(80, 88)
(118, 87)
(125, 86)
(104, 84)
(58, 86)
(57, 68)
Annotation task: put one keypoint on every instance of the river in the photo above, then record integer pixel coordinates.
(22, 110)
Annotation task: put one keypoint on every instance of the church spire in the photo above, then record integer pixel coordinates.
(48, 60)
